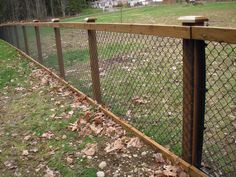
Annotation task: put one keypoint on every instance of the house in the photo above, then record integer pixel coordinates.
(133, 3)
(108, 4)
(105, 4)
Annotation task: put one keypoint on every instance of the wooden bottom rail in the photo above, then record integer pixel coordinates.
(191, 170)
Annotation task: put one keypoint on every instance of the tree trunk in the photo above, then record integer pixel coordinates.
(52, 8)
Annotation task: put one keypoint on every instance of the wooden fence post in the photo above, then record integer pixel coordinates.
(16, 36)
(38, 42)
(94, 62)
(59, 49)
(25, 40)
(194, 80)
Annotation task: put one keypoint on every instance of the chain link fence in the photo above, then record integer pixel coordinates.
(219, 149)
(76, 58)
(141, 80)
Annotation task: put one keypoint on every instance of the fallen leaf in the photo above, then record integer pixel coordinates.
(95, 129)
(85, 131)
(10, 164)
(159, 158)
(25, 152)
(90, 149)
(170, 171)
(128, 113)
(49, 173)
(87, 116)
(39, 167)
(26, 138)
(71, 113)
(69, 160)
(134, 142)
(34, 150)
(47, 135)
(138, 100)
(98, 120)
(110, 131)
(116, 145)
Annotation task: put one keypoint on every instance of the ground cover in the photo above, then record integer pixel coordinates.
(47, 130)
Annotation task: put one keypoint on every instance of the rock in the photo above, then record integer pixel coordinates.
(135, 155)
(144, 153)
(100, 174)
(116, 174)
(102, 165)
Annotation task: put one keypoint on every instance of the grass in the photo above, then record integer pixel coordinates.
(34, 118)
(220, 14)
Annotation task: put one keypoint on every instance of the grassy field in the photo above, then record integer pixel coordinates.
(220, 14)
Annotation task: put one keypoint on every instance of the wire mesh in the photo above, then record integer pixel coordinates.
(20, 38)
(49, 52)
(30, 32)
(219, 150)
(141, 81)
(76, 59)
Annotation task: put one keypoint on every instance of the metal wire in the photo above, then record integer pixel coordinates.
(32, 42)
(219, 149)
(48, 45)
(141, 80)
(76, 59)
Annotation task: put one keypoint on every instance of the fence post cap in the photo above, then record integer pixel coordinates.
(193, 19)
(55, 20)
(90, 19)
(35, 21)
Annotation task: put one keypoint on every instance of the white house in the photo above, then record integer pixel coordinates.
(103, 4)
(107, 4)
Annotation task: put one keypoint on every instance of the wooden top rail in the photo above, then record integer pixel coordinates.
(217, 34)
(227, 35)
(159, 30)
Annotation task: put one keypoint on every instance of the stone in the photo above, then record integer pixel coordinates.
(102, 165)
(100, 174)
(144, 153)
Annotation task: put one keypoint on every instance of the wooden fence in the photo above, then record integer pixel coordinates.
(194, 36)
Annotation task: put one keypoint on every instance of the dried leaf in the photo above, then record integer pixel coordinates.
(85, 131)
(87, 116)
(159, 158)
(134, 142)
(116, 145)
(138, 100)
(69, 160)
(170, 171)
(95, 129)
(49, 173)
(47, 135)
(25, 152)
(90, 149)
(26, 138)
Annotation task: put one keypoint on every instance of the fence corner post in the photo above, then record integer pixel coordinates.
(94, 61)
(38, 42)
(194, 84)
(59, 48)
